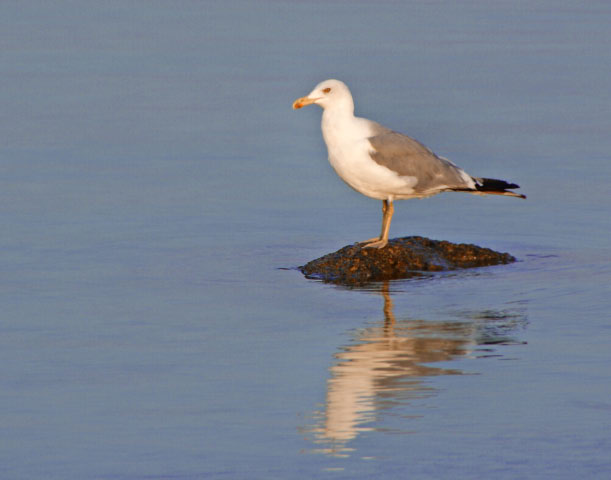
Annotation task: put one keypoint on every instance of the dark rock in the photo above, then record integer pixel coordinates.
(401, 258)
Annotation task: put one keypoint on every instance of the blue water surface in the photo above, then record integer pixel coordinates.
(157, 192)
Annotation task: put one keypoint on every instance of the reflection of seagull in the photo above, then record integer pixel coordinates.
(384, 164)
(385, 366)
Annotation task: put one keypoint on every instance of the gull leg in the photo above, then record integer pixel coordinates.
(382, 240)
(388, 210)
(376, 239)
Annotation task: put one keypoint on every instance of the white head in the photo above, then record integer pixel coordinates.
(330, 94)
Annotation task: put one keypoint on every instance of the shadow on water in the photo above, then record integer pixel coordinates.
(386, 367)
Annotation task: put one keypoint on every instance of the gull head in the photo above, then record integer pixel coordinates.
(327, 94)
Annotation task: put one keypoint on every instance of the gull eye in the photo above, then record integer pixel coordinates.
(326, 90)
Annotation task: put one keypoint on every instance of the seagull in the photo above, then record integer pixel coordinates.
(383, 164)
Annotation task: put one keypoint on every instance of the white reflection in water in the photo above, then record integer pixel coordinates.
(387, 365)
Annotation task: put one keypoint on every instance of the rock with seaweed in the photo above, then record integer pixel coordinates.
(401, 258)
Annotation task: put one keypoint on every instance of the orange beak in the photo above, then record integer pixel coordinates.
(302, 102)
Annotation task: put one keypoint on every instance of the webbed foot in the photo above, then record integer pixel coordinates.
(376, 243)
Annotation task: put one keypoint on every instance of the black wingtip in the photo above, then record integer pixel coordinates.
(493, 186)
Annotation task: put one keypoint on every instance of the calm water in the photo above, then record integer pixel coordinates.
(157, 191)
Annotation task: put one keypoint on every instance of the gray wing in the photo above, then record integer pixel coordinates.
(408, 157)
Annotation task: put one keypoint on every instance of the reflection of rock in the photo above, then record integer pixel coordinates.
(401, 258)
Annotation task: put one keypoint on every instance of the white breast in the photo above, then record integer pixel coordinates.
(349, 147)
